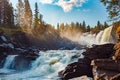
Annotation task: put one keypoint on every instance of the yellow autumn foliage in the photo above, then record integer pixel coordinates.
(118, 31)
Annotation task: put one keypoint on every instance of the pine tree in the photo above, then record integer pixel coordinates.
(36, 19)
(105, 25)
(6, 13)
(20, 13)
(58, 26)
(27, 15)
(99, 25)
(72, 24)
(16, 18)
(41, 18)
(62, 27)
(88, 28)
(83, 26)
(10, 14)
(77, 24)
(1, 12)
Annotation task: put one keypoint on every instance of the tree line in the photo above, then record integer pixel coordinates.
(24, 18)
(81, 27)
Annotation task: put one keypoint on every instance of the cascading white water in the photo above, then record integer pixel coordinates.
(99, 37)
(87, 39)
(9, 61)
(108, 36)
(47, 65)
(105, 36)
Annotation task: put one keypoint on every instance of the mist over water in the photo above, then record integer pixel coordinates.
(71, 35)
(88, 39)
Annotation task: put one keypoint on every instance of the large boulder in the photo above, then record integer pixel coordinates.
(77, 69)
(106, 69)
(30, 53)
(81, 78)
(117, 51)
(99, 51)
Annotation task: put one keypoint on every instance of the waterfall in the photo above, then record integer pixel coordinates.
(107, 35)
(99, 36)
(9, 61)
(87, 39)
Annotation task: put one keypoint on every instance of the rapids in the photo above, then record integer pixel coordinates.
(105, 36)
(45, 67)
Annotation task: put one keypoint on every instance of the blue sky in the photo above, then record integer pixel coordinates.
(67, 11)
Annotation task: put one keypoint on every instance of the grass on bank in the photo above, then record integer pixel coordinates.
(9, 30)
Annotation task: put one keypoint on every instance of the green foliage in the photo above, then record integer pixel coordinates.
(113, 8)
(88, 28)
(6, 13)
(78, 27)
(105, 25)
(36, 19)
(75, 27)
(99, 27)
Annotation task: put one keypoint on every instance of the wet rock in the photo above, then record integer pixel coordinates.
(17, 46)
(77, 69)
(116, 77)
(103, 74)
(100, 51)
(80, 78)
(106, 69)
(30, 54)
(65, 48)
(117, 51)
(6, 47)
(111, 64)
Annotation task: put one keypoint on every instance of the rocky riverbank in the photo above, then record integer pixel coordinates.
(11, 47)
(97, 64)
(19, 44)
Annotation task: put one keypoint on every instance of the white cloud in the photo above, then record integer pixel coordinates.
(67, 6)
(46, 1)
(64, 4)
